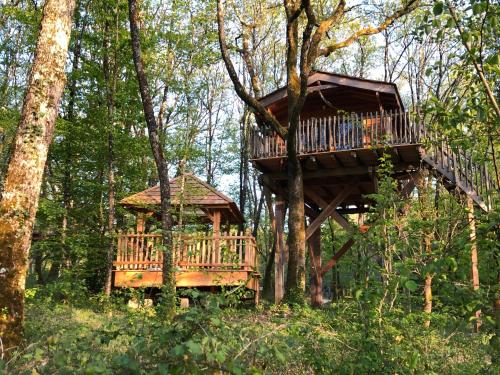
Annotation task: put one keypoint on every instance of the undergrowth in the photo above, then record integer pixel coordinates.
(95, 335)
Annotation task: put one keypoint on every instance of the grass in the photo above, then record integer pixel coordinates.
(95, 336)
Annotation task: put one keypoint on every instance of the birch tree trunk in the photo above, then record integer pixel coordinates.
(25, 172)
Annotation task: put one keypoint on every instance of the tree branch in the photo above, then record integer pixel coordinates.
(408, 8)
(477, 67)
(253, 103)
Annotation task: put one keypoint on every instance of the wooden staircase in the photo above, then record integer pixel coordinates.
(460, 174)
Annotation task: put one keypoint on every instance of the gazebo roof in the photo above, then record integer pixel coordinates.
(197, 196)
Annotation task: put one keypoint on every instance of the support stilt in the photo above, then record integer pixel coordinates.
(314, 244)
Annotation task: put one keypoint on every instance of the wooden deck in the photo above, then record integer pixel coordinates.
(340, 150)
(199, 260)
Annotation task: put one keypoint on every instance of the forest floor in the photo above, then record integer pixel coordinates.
(93, 335)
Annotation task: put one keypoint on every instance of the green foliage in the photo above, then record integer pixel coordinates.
(275, 340)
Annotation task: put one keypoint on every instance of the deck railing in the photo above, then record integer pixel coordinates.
(144, 251)
(342, 132)
(377, 130)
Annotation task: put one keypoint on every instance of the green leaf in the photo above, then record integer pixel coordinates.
(215, 321)
(358, 294)
(194, 347)
(411, 285)
(477, 8)
(438, 8)
(279, 356)
(178, 350)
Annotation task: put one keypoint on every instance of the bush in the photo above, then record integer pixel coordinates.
(67, 339)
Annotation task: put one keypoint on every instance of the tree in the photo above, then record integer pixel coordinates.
(160, 161)
(35, 131)
(304, 45)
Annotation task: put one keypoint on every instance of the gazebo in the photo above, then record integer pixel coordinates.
(219, 255)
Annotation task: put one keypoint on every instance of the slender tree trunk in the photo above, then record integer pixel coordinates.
(427, 285)
(110, 78)
(161, 163)
(473, 255)
(38, 267)
(25, 172)
(267, 285)
(267, 289)
(316, 276)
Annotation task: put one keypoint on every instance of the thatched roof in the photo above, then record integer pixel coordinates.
(196, 196)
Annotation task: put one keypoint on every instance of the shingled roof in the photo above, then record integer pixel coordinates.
(196, 194)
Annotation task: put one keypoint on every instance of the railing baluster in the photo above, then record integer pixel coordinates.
(330, 136)
(363, 129)
(466, 169)
(344, 132)
(309, 143)
(373, 129)
(335, 132)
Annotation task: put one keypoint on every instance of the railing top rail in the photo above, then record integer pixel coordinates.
(190, 237)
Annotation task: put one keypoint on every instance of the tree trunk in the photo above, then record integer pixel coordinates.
(110, 78)
(279, 252)
(38, 267)
(267, 286)
(316, 276)
(296, 275)
(161, 163)
(428, 286)
(25, 172)
(473, 255)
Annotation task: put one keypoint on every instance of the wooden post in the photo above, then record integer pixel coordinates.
(473, 255)
(141, 221)
(316, 277)
(279, 257)
(216, 230)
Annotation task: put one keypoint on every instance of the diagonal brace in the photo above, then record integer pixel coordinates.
(327, 211)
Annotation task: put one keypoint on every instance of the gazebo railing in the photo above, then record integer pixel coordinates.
(144, 251)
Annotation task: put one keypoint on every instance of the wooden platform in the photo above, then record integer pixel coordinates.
(187, 278)
(346, 150)
(200, 260)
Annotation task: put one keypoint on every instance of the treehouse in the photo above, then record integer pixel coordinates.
(346, 125)
(215, 256)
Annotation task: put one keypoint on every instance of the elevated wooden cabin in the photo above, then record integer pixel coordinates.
(215, 257)
(347, 124)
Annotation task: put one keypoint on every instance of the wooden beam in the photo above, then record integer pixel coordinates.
(337, 256)
(314, 245)
(344, 171)
(414, 180)
(327, 211)
(335, 215)
(342, 222)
